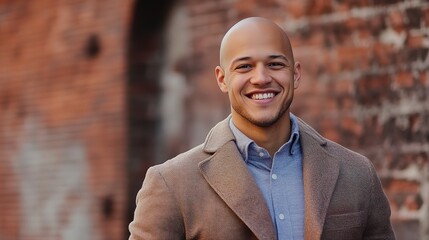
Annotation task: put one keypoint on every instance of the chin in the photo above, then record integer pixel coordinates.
(263, 122)
(262, 119)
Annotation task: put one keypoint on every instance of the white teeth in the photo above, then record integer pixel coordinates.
(260, 96)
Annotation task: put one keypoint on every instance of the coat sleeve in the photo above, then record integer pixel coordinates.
(157, 215)
(378, 223)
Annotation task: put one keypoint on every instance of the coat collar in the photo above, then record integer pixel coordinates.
(221, 134)
(226, 173)
(218, 136)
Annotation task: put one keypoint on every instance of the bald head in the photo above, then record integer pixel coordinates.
(250, 31)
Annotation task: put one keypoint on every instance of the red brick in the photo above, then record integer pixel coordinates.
(343, 87)
(296, 8)
(413, 202)
(350, 124)
(382, 53)
(424, 79)
(319, 7)
(425, 14)
(206, 19)
(353, 23)
(404, 79)
(246, 8)
(372, 90)
(416, 40)
(396, 20)
(403, 186)
(204, 7)
(353, 58)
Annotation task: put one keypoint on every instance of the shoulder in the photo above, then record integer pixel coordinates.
(185, 161)
(347, 158)
(180, 175)
(346, 155)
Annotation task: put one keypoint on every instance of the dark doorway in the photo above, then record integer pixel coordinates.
(145, 58)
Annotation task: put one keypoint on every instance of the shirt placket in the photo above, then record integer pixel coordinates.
(279, 192)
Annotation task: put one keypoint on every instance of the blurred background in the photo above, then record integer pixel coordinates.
(94, 92)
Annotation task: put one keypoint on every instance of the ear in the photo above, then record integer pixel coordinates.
(297, 75)
(220, 77)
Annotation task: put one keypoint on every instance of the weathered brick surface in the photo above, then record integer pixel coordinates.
(62, 131)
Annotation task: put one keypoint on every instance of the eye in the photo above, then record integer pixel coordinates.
(276, 65)
(244, 66)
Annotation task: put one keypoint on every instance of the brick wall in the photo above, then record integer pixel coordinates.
(365, 84)
(62, 128)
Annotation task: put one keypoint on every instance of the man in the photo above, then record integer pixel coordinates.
(262, 173)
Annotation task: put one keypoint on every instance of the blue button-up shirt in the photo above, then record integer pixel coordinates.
(279, 179)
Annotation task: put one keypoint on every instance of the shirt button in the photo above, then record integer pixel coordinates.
(281, 216)
(274, 176)
(261, 154)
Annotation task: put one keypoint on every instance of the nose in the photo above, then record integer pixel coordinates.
(261, 75)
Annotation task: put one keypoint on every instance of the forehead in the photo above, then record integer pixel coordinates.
(255, 42)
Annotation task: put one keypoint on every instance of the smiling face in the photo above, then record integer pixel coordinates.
(258, 73)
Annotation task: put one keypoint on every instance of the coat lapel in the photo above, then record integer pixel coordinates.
(227, 174)
(320, 173)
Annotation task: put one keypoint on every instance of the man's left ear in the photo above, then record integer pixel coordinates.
(297, 75)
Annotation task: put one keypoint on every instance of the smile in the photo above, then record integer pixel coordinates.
(262, 96)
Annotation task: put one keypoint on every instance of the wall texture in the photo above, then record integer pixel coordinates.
(62, 124)
(85, 109)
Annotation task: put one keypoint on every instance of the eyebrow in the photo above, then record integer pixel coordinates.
(279, 56)
(274, 56)
(240, 59)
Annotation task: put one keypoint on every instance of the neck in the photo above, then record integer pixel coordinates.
(271, 138)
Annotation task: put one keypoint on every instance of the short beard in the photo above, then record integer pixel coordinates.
(266, 123)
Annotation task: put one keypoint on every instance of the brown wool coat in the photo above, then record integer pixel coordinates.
(208, 193)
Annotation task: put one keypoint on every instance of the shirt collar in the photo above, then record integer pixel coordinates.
(243, 142)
